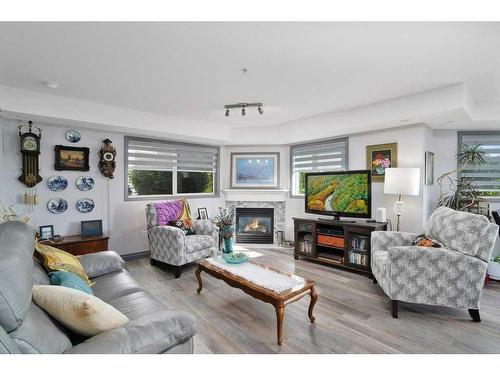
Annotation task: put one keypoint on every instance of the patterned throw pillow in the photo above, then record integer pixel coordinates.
(186, 225)
(422, 240)
(69, 280)
(57, 260)
(174, 210)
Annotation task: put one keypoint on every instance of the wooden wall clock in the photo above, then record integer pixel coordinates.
(107, 159)
(30, 151)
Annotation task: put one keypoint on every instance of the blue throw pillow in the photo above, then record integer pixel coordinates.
(69, 280)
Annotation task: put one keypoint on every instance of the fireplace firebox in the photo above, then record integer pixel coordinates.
(254, 225)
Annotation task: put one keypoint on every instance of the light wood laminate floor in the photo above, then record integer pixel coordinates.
(352, 314)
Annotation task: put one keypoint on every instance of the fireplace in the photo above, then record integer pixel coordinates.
(254, 225)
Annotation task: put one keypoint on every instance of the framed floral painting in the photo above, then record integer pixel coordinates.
(381, 157)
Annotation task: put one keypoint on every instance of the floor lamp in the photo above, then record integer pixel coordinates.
(401, 181)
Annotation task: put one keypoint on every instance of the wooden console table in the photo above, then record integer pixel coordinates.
(79, 245)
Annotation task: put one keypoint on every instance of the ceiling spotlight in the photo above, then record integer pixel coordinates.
(261, 111)
(243, 111)
(243, 107)
(51, 85)
(227, 112)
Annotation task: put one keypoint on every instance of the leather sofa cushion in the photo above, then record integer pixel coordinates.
(7, 346)
(40, 334)
(137, 304)
(155, 332)
(101, 263)
(197, 242)
(114, 285)
(40, 276)
(16, 272)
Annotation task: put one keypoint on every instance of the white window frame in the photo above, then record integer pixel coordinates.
(461, 134)
(297, 146)
(216, 179)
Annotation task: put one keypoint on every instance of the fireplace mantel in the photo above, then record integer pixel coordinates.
(263, 195)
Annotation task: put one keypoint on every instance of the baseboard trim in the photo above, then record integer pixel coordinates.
(133, 256)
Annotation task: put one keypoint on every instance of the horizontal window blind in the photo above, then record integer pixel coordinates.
(319, 157)
(486, 177)
(169, 156)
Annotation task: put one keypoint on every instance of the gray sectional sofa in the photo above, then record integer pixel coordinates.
(25, 328)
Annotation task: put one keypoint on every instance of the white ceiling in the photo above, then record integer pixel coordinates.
(299, 70)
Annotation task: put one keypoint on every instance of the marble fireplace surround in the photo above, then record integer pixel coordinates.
(279, 212)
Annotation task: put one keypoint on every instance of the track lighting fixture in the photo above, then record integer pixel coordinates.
(243, 107)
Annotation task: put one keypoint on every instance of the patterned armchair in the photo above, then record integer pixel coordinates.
(170, 245)
(452, 275)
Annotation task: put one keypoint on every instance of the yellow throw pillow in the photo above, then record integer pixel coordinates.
(80, 312)
(58, 260)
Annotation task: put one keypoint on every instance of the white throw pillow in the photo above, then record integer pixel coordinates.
(80, 312)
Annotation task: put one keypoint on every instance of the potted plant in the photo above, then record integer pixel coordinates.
(225, 222)
(461, 192)
(494, 268)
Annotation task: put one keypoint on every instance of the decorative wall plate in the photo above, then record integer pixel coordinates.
(85, 183)
(57, 205)
(73, 136)
(85, 205)
(57, 183)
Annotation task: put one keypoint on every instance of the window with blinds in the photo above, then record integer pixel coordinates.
(160, 168)
(486, 177)
(331, 155)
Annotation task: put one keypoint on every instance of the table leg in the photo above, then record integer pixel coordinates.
(280, 312)
(198, 276)
(314, 298)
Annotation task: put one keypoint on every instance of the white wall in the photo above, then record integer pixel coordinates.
(123, 220)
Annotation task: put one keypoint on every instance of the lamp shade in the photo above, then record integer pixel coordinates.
(405, 181)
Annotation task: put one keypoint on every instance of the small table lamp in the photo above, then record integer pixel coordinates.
(401, 181)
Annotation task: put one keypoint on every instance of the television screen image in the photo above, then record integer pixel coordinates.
(345, 193)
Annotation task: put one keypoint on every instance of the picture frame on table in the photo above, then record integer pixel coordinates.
(69, 158)
(202, 213)
(255, 170)
(46, 232)
(379, 158)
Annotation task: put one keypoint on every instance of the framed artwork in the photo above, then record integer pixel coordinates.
(203, 213)
(381, 157)
(46, 232)
(253, 170)
(91, 228)
(71, 158)
(429, 168)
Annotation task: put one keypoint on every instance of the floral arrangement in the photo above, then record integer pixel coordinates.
(225, 222)
(8, 214)
(381, 163)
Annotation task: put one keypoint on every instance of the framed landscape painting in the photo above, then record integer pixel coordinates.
(250, 170)
(381, 157)
(71, 158)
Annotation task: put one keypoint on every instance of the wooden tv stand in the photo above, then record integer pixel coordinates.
(341, 243)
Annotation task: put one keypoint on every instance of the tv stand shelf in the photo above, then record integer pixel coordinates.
(340, 243)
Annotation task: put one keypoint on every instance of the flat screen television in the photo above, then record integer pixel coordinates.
(345, 193)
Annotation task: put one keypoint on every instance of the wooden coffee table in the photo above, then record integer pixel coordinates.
(278, 300)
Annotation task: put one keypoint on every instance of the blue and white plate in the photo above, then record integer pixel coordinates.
(85, 205)
(73, 136)
(57, 183)
(84, 183)
(57, 205)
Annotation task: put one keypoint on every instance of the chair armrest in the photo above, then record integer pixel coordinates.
(206, 227)
(435, 276)
(152, 333)
(167, 244)
(383, 240)
(101, 263)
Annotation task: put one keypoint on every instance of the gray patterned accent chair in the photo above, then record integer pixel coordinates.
(452, 275)
(171, 246)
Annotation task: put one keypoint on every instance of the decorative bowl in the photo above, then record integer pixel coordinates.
(235, 258)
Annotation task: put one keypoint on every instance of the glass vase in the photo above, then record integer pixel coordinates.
(227, 248)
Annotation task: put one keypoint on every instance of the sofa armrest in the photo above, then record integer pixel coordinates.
(206, 227)
(167, 244)
(101, 263)
(153, 333)
(383, 240)
(435, 276)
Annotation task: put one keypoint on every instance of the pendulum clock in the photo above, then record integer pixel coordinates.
(30, 151)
